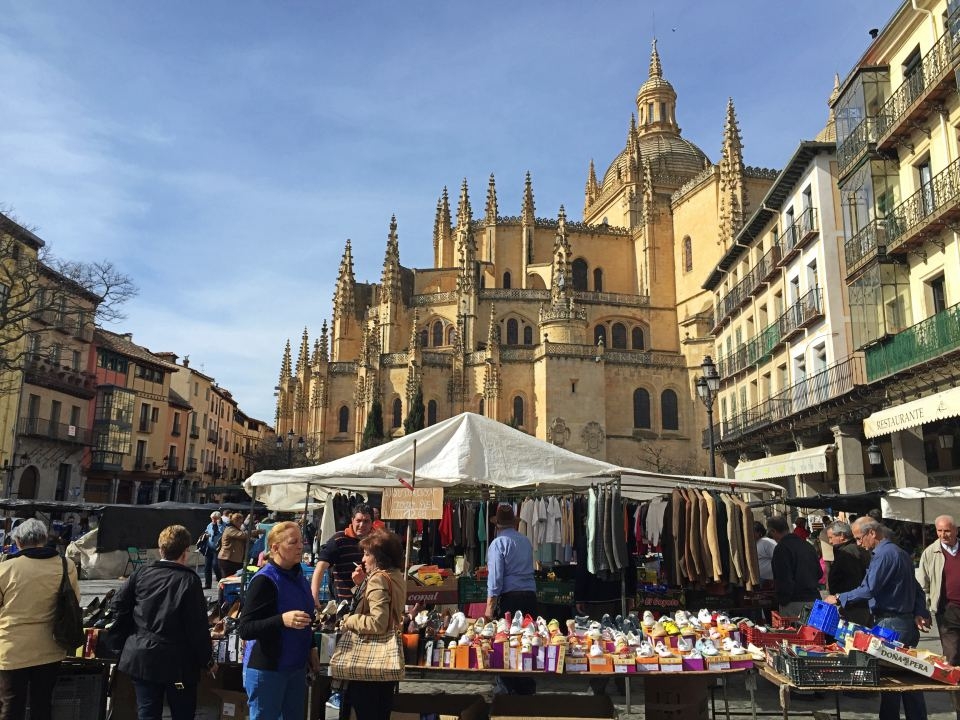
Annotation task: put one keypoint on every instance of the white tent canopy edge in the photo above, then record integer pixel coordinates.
(470, 449)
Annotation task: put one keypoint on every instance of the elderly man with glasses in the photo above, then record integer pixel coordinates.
(896, 600)
(939, 576)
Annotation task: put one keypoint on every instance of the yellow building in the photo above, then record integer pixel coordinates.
(897, 116)
(587, 333)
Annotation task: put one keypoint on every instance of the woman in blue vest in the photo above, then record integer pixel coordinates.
(275, 622)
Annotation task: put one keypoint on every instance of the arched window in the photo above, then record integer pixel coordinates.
(432, 413)
(397, 413)
(512, 332)
(579, 274)
(636, 337)
(424, 338)
(437, 333)
(599, 333)
(506, 281)
(528, 335)
(598, 280)
(687, 253)
(481, 407)
(669, 411)
(343, 419)
(641, 408)
(451, 331)
(518, 411)
(619, 333)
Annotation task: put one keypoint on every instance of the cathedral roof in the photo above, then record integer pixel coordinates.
(670, 156)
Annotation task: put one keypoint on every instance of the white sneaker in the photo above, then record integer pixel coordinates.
(755, 652)
(684, 644)
(517, 625)
(705, 616)
(695, 655)
(489, 630)
(662, 650)
(596, 650)
(645, 650)
(707, 647)
(734, 648)
(633, 639)
(648, 619)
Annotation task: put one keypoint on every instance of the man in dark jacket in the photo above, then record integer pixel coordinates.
(847, 570)
(796, 569)
(163, 609)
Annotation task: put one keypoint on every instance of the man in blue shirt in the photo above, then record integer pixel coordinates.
(896, 601)
(510, 585)
(212, 536)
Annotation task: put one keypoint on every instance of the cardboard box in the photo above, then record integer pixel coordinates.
(693, 663)
(555, 657)
(448, 707)
(648, 664)
(551, 707)
(741, 662)
(601, 664)
(576, 664)
(918, 661)
(717, 662)
(462, 657)
(623, 664)
(671, 664)
(497, 653)
(233, 705)
(446, 593)
(326, 644)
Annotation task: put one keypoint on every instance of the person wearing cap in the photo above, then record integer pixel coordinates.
(510, 585)
(212, 538)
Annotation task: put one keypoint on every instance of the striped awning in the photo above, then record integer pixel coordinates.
(932, 408)
(801, 462)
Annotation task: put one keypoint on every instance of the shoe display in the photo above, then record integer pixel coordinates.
(582, 622)
(571, 628)
(645, 650)
(662, 650)
(671, 627)
(705, 617)
(733, 647)
(553, 627)
(596, 650)
(658, 630)
(648, 619)
(755, 652)
(707, 647)
(684, 644)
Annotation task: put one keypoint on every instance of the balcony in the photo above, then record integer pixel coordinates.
(106, 461)
(212, 436)
(40, 371)
(40, 428)
(932, 338)
(176, 431)
(194, 432)
(803, 313)
(917, 95)
(870, 242)
(804, 228)
(933, 207)
(856, 145)
(740, 294)
(142, 464)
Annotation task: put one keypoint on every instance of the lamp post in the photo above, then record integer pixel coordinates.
(301, 443)
(708, 385)
(11, 468)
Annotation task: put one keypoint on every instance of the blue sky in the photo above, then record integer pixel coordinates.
(221, 152)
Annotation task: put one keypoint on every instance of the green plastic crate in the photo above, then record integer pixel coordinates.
(471, 590)
(555, 592)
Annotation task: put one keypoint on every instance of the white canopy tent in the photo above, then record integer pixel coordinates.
(921, 505)
(469, 449)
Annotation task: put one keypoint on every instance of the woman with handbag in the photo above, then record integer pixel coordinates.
(29, 654)
(369, 650)
(233, 546)
(276, 623)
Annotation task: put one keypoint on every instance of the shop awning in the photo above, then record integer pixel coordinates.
(801, 462)
(944, 404)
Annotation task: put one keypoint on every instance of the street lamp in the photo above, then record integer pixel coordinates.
(301, 443)
(874, 455)
(708, 385)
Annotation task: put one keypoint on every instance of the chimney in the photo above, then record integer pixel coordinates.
(874, 32)
(186, 361)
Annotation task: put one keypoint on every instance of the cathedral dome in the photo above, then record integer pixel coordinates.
(669, 156)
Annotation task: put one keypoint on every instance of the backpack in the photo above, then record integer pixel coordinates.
(68, 618)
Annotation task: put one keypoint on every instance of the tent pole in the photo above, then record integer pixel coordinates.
(246, 548)
(306, 507)
(413, 485)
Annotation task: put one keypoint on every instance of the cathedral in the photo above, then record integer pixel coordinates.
(588, 334)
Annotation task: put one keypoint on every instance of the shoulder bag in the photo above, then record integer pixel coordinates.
(368, 657)
(68, 618)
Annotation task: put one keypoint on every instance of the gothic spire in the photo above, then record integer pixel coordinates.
(493, 334)
(491, 208)
(656, 70)
(304, 354)
(415, 333)
(733, 193)
(343, 299)
(466, 244)
(324, 343)
(464, 211)
(592, 190)
(390, 278)
(441, 226)
(315, 358)
(527, 212)
(285, 365)
(562, 283)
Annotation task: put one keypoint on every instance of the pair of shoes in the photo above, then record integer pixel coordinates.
(334, 701)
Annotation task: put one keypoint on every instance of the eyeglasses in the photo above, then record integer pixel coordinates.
(859, 538)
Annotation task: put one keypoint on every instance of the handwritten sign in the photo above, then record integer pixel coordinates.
(418, 504)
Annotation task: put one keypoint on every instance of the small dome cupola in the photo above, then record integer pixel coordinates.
(656, 101)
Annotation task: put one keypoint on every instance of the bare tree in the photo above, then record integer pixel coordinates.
(45, 300)
(652, 456)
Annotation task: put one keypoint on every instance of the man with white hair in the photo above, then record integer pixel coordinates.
(939, 576)
(212, 536)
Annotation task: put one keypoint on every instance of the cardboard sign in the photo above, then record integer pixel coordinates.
(417, 504)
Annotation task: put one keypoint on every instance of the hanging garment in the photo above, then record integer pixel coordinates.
(669, 567)
(735, 533)
(706, 557)
(553, 522)
(446, 525)
(693, 542)
(328, 523)
(618, 540)
(482, 532)
(713, 541)
(750, 547)
(592, 531)
(722, 537)
(678, 527)
(607, 563)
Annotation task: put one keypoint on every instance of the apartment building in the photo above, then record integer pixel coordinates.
(897, 121)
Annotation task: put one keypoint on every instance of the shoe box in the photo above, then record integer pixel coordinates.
(551, 707)
(412, 706)
(233, 705)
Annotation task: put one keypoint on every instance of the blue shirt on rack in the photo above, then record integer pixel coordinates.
(510, 564)
(890, 585)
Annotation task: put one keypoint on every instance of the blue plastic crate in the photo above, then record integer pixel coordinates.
(824, 617)
(885, 633)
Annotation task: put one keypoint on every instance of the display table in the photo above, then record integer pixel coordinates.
(666, 693)
(888, 684)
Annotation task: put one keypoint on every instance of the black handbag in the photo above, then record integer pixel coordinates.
(68, 617)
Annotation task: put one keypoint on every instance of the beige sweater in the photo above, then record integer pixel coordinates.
(380, 610)
(28, 596)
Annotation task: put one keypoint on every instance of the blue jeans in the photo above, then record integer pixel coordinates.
(210, 566)
(914, 704)
(275, 694)
(182, 702)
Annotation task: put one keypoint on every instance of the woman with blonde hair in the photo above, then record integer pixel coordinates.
(276, 623)
(233, 546)
(382, 594)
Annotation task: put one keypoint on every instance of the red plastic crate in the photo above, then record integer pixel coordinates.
(783, 621)
(805, 636)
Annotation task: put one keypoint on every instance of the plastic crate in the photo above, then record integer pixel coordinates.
(857, 668)
(555, 592)
(783, 621)
(824, 617)
(806, 635)
(885, 633)
(471, 590)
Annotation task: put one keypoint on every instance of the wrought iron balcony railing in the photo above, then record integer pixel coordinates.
(932, 338)
(39, 427)
(933, 201)
(869, 242)
(856, 144)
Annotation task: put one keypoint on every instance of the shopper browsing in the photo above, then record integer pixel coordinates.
(939, 576)
(276, 623)
(233, 546)
(211, 543)
(796, 570)
(162, 608)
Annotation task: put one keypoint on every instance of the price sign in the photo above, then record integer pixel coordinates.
(418, 504)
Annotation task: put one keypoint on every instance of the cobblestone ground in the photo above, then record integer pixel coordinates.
(852, 707)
